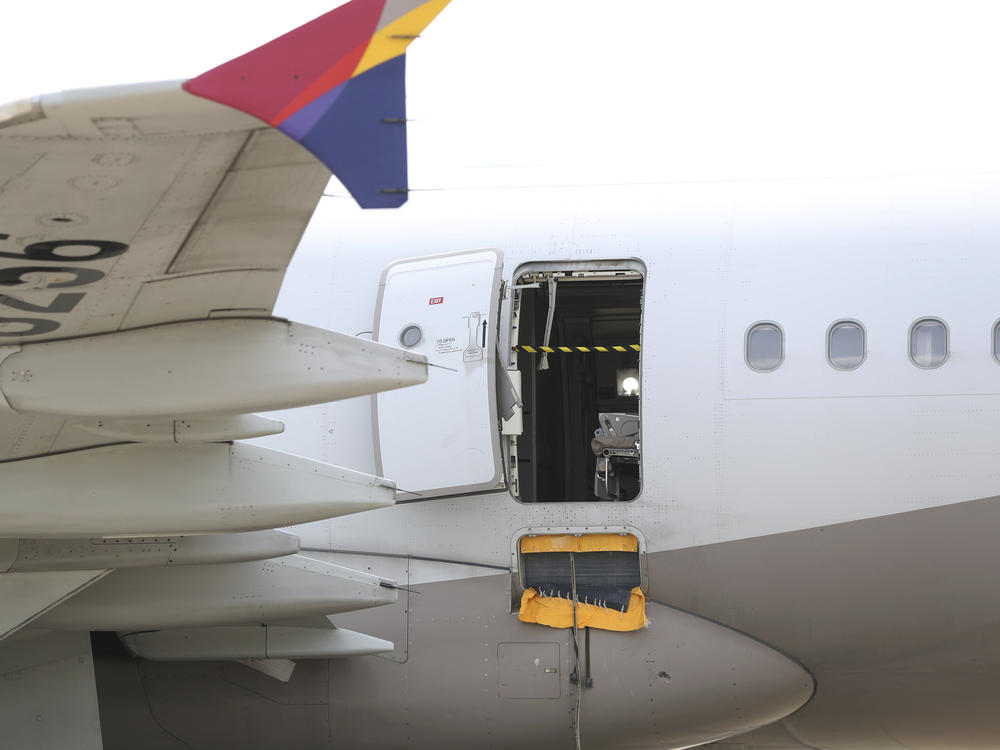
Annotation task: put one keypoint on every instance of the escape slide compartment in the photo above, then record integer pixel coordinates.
(440, 438)
(592, 579)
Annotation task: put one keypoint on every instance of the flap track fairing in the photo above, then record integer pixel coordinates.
(253, 642)
(157, 490)
(206, 367)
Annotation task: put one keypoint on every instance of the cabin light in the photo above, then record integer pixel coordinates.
(628, 382)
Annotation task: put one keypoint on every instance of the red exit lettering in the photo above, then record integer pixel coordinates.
(436, 301)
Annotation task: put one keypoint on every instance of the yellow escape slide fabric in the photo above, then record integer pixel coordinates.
(558, 613)
(581, 543)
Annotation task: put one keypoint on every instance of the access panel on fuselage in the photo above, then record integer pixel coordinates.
(441, 437)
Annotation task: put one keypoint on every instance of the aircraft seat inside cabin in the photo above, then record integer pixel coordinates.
(616, 447)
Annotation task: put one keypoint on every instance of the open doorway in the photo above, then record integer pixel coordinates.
(575, 344)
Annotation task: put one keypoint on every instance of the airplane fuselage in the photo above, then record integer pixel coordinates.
(837, 515)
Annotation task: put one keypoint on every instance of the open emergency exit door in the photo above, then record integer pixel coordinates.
(441, 437)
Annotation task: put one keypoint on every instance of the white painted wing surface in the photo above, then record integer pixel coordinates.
(133, 206)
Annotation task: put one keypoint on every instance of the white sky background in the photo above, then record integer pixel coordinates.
(509, 92)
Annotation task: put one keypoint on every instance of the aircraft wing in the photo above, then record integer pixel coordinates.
(137, 206)
(144, 234)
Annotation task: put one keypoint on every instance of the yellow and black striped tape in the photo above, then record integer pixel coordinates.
(572, 349)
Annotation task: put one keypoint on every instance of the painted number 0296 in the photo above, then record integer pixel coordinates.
(64, 265)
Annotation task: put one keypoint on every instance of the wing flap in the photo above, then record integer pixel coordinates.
(134, 206)
(260, 210)
(173, 203)
(140, 205)
(206, 294)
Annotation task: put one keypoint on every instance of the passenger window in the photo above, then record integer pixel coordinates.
(928, 343)
(845, 345)
(765, 347)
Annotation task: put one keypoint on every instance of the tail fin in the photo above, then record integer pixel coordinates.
(337, 86)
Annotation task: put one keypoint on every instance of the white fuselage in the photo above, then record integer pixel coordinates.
(830, 528)
(730, 453)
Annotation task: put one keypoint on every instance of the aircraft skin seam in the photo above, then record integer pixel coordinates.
(149, 707)
(796, 735)
(208, 205)
(407, 557)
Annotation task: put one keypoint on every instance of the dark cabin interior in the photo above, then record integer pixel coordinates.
(562, 404)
